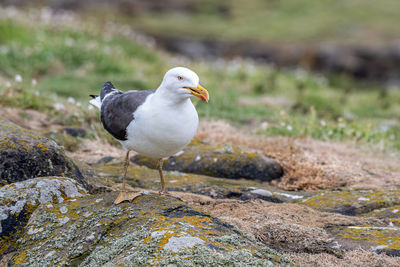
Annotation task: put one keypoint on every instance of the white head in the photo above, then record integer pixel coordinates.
(183, 83)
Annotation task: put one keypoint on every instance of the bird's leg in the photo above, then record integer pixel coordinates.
(126, 165)
(124, 195)
(159, 166)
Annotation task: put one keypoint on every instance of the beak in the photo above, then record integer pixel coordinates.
(200, 92)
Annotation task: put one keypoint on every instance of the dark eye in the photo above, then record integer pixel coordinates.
(180, 78)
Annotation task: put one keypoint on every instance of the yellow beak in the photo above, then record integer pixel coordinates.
(200, 92)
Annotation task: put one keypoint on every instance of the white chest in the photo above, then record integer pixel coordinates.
(161, 130)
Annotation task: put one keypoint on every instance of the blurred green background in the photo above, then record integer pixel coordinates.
(326, 69)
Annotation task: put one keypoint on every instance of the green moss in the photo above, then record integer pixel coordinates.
(80, 55)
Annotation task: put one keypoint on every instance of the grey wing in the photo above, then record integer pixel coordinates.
(117, 111)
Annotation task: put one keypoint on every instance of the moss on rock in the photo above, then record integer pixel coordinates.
(25, 154)
(218, 161)
(152, 230)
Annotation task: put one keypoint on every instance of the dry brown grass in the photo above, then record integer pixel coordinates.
(311, 164)
(356, 258)
(296, 230)
(28, 118)
(91, 151)
(251, 216)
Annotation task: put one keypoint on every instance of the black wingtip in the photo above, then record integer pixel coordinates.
(108, 85)
(93, 96)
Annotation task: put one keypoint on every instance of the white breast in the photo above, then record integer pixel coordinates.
(160, 129)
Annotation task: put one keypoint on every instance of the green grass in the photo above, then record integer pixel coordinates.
(278, 21)
(74, 62)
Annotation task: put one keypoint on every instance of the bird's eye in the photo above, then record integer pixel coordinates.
(180, 78)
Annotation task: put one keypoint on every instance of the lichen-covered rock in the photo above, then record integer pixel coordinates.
(379, 204)
(152, 230)
(353, 202)
(218, 161)
(374, 238)
(19, 200)
(391, 214)
(24, 154)
(143, 177)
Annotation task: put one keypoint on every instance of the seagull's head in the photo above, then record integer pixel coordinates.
(184, 83)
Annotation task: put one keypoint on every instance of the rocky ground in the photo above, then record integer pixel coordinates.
(343, 209)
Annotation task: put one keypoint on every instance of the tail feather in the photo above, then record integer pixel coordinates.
(95, 101)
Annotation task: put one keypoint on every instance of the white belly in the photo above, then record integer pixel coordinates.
(161, 132)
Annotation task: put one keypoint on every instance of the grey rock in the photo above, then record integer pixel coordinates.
(19, 200)
(153, 230)
(179, 243)
(75, 132)
(261, 192)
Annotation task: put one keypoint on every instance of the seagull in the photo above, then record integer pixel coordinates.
(155, 123)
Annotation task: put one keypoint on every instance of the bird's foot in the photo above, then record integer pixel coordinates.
(126, 196)
(164, 193)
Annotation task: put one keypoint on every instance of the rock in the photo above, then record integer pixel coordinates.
(259, 194)
(25, 154)
(152, 230)
(75, 132)
(19, 200)
(378, 62)
(353, 202)
(143, 177)
(391, 214)
(218, 161)
(381, 237)
(373, 238)
(105, 160)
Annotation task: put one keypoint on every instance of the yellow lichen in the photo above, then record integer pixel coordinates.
(44, 148)
(21, 258)
(389, 237)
